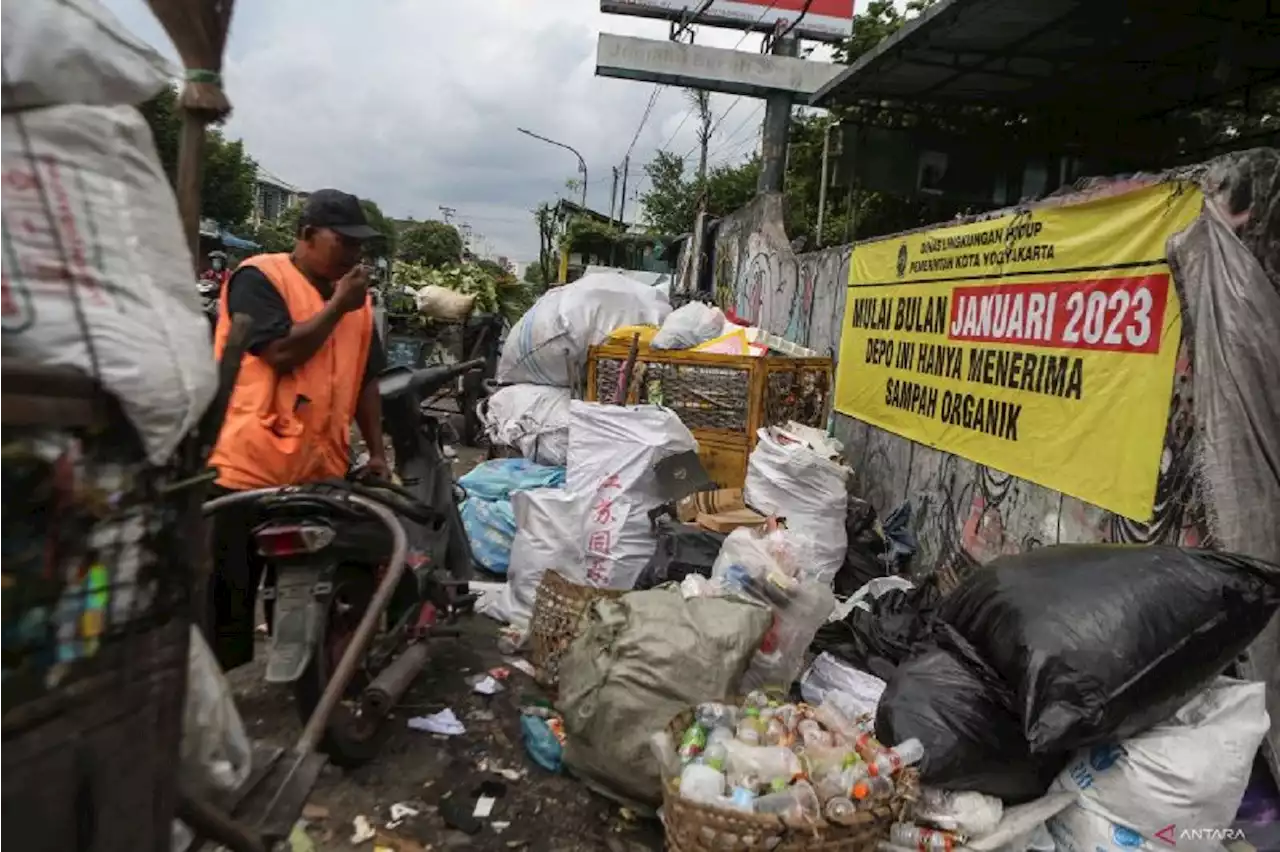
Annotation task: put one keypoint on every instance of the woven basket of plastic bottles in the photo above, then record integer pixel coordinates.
(557, 614)
(692, 826)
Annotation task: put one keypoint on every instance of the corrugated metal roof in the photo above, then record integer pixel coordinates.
(1138, 58)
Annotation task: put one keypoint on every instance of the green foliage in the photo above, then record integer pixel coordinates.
(279, 235)
(590, 235)
(229, 177)
(430, 244)
(382, 225)
(496, 289)
(671, 202)
(533, 275)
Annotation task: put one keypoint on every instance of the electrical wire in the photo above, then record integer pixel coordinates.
(653, 99)
(736, 45)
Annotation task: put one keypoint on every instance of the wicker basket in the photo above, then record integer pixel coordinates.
(557, 612)
(693, 827)
(97, 598)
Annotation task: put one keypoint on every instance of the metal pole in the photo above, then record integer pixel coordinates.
(822, 187)
(777, 126)
(613, 194)
(622, 205)
(582, 164)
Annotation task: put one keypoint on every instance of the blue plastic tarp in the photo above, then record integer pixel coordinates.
(497, 479)
(491, 528)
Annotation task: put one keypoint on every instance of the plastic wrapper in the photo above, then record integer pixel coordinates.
(1100, 642)
(965, 812)
(498, 479)
(961, 711)
(216, 754)
(827, 674)
(548, 525)
(491, 530)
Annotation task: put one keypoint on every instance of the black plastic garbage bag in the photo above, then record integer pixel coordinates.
(864, 556)
(902, 542)
(877, 641)
(683, 549)
(1099, 642)
(960, 711)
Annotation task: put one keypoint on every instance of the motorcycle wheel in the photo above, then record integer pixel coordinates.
(349, 739)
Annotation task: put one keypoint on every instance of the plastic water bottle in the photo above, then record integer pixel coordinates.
(742, 799)
(714, 756)
(693, 742)
(867, 746)
(812, 734)
(701, 783)
(889, 760)
(874, 787)
(797, 805)
(923, 839)
(713, 714)
(841, 810)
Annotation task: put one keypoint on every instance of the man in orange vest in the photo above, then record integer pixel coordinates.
(312, 358)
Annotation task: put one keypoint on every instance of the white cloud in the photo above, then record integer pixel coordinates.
(416, 104)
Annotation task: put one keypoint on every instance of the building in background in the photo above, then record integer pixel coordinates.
(273, 197)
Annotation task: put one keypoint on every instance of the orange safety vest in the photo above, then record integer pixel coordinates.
(283, 429)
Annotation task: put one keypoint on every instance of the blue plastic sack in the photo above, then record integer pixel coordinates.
(491, 527)
(496, 479)
(540, 742)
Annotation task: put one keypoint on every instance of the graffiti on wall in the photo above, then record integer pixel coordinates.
(963, 512)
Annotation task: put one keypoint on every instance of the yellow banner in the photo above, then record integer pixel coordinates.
(1041, 343)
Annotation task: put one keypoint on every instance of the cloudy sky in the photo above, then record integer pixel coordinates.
(415, 104)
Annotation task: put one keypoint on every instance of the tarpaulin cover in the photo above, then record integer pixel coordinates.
(1100, 641)
(640, 660)
(1227, 270)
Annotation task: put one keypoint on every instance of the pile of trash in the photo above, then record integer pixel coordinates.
(807, 765)
(488, 512)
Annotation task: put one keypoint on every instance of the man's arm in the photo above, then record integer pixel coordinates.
(369, 406)
(276, 339)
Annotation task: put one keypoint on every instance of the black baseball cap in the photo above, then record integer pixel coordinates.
(338, 211)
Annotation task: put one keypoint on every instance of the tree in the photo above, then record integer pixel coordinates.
(671, 201)
(229, 175)
(431, 243)
(380, 223)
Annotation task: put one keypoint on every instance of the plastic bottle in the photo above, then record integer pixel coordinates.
(742, 799)
(692, 742)
(840, 810)
(714, 756)
(701, 783)
(751, 728)
(818, 761)
(889, 760)
(867, 746)
(923, 839)
(797, 805)
(812, 734)
(756, 698)
(868, 789)
(713, 714)
(833, 720)
(766, 762)
(719, 735)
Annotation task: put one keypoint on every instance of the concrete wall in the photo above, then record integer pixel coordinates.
(961, 510)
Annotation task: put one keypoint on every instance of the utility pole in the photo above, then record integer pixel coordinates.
(582, 164)
(777, 125)
(448, 212)
(622, 207)
(613, 194)
(822, 187)
(701, 100)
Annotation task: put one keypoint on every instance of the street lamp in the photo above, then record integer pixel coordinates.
(582, 164)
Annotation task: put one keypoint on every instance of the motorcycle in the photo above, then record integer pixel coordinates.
(367, 563)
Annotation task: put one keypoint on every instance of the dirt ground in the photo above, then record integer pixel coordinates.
(545, 812)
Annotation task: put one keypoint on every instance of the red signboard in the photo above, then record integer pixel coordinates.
(826, 20)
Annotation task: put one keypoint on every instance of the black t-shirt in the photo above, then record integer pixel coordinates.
(250, 292)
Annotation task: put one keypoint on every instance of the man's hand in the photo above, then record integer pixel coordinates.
(350, 291)
(378, 468)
